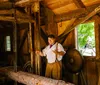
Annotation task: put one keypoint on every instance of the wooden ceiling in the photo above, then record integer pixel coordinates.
(57, 6)
(62, 8)
(65, 6)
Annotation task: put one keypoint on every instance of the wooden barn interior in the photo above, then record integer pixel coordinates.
(24, 27)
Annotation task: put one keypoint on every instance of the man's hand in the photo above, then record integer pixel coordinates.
(39, 53)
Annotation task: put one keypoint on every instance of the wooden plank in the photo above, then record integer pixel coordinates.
(91, 72)
(77, 22)
(58, 3)
(98, 68)
(79, 3)
(64, 9)
(30, 79)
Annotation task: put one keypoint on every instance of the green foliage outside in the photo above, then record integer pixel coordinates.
(86, 35)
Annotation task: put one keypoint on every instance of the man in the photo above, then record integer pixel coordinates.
(54, 53)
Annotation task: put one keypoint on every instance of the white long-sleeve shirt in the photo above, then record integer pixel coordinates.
(51, 56)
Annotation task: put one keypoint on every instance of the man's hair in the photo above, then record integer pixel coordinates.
(51, 36)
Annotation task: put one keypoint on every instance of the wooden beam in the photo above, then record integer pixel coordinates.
(4, 1)
(30, 79)
(31, 46)
(79, 13)
(70, 15)
(24, 3)
(79, 3)
(12, 19)
(30, 38)
(97, 19)
(2, 12)
(11, 12)
(77, 22)
(56, 4)
(37, 44)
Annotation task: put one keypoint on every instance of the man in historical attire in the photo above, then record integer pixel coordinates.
(54, 53)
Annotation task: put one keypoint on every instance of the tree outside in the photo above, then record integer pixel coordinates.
(86, 39)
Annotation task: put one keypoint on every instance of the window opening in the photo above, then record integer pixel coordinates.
(86, 39)
(8, 43)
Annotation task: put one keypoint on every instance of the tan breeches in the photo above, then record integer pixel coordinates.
(53, 70)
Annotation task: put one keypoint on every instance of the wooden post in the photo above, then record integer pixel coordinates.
(97, 35)
(30, 39)
(15, 49)
(37, 38)
(31, 46)
(15, 43)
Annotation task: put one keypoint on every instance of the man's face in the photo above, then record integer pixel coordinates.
(51, 41)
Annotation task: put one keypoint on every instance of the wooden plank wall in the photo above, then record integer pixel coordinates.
(90, 72)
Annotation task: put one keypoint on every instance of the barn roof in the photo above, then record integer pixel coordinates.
(63, 9)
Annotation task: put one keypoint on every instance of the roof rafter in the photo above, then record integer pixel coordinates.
(79, 3)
